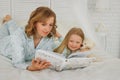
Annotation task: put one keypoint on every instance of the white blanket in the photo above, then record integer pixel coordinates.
(108, 69)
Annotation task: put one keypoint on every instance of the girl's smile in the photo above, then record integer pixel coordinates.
(74, 42)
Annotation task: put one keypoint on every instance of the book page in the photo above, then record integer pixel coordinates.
(54, 58)
(73, 63)
(79, 54)
(60, 63)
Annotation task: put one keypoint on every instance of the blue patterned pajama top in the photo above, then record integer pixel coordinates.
(15, 44)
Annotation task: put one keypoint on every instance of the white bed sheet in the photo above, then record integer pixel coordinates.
(108, 69)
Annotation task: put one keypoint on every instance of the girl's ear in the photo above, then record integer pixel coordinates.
(81, 45)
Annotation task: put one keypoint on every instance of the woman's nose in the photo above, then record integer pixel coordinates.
(47, 28)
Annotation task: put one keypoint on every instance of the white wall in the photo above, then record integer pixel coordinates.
(68, 16)
(111, 20)
(20, 9)
(4, 7)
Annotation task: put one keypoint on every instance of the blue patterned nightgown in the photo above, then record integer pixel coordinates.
(15, 45)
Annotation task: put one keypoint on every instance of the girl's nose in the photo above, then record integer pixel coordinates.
(74, 44)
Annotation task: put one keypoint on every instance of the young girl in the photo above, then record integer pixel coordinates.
(20, 45)
(72, 42)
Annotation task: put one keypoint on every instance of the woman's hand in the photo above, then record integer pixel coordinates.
(58, 35)
(38, 64)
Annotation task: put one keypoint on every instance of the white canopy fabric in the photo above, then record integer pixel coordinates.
(80, 10)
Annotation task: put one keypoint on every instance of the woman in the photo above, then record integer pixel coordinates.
(20, 45)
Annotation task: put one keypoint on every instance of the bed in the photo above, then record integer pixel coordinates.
(107, 69)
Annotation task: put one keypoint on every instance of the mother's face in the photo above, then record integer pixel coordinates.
(44, 28)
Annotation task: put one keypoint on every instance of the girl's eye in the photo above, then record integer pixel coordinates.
(77, 42)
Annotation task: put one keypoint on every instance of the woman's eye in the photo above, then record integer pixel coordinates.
(43, 24)
(71, 41)
(51, 24)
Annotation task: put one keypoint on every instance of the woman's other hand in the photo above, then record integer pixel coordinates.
(38, 64)
(58, 35)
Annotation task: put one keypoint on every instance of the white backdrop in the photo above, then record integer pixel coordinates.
(69, 13)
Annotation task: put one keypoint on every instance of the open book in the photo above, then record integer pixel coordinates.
(59, 63)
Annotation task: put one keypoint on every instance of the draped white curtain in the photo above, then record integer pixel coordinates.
(80, 8)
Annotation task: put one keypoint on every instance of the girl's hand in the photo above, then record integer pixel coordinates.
(38, 65)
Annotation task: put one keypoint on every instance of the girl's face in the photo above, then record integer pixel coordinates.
(74, 43)
(44, 28)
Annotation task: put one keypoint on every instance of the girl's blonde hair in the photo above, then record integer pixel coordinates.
(63, 45)
(41, 14)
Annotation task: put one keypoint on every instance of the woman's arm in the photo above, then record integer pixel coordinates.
(58, 35)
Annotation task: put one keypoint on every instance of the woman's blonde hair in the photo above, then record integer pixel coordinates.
(41, 14)
(63, 45)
